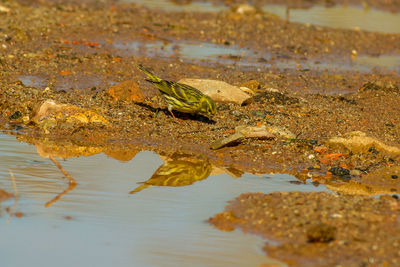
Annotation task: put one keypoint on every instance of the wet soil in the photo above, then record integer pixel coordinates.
(319, 229)
(70, 47)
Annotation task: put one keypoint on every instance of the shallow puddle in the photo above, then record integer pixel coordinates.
(345, 17)
(33, 81)
(98, 223)
(382, 62)
(71, 82)
(350, 17)
(79, 82)
(187, 51)
(246, 59)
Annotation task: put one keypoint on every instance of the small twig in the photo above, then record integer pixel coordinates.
(71, 180)
(15, 194)
(51, 202)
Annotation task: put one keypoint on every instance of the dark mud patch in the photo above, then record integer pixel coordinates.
(314, 229)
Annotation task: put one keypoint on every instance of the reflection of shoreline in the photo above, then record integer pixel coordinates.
(207, 167)
(193, 167)
(126, 151)
(50, 149)
(101, 202)
(179, 169)
(66, 150)
(192, 173)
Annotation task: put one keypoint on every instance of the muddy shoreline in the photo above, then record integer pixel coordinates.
(68, 53)
(319, 229)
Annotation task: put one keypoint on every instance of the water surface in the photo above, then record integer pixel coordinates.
(344, 17)
(206, 53)
(99, 223)
(33, 81)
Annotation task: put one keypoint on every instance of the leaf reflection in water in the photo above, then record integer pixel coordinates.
(178, 170)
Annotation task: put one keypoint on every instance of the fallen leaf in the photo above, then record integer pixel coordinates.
(65, 72)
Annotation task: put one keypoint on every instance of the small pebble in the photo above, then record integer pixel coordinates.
(258, 114)
(339, 171)
(235, 113)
